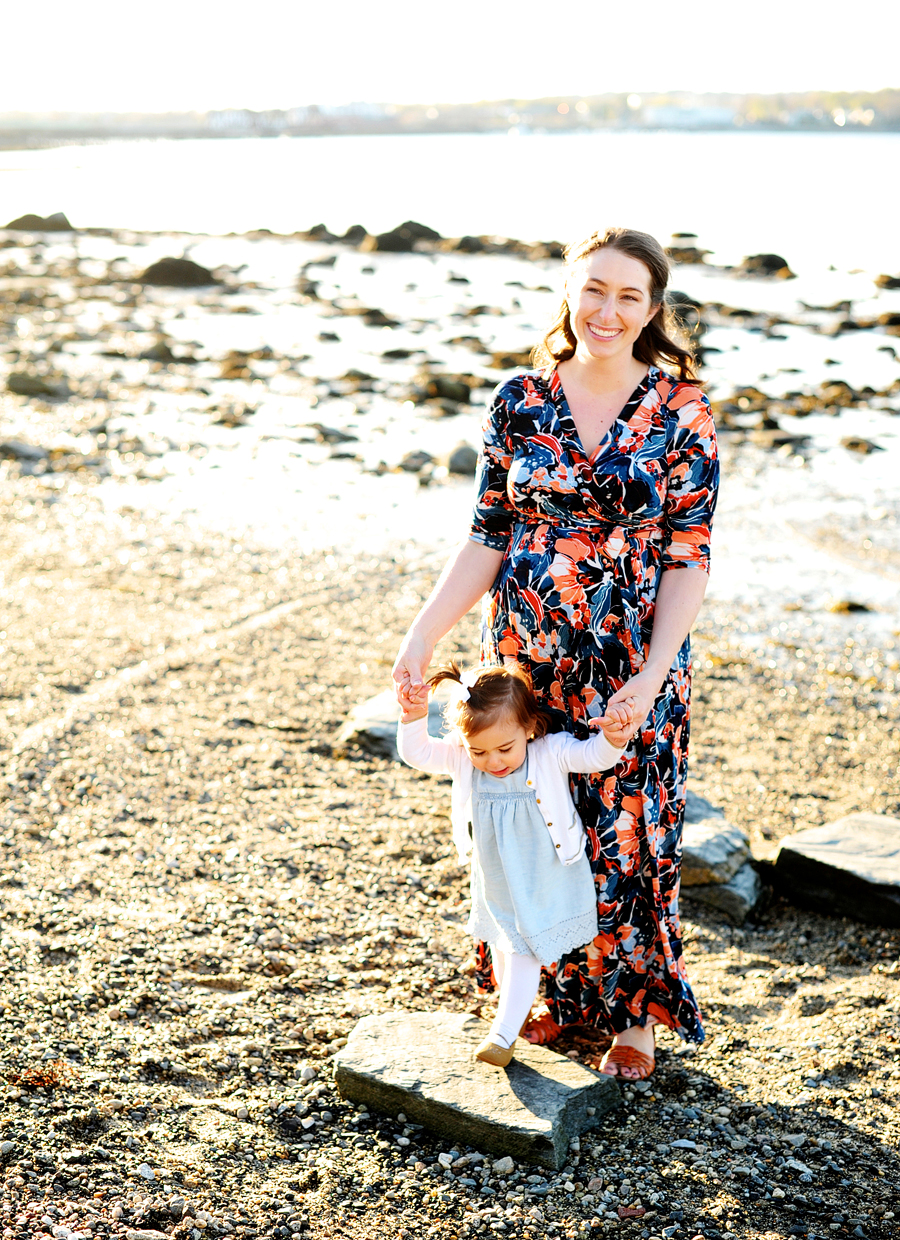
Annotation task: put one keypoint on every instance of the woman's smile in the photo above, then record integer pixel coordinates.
(603, 333)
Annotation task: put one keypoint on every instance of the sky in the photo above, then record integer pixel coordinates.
(178, 55)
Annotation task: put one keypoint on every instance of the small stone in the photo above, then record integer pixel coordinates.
(778, 1194)
(7, 1148)
(242, 1113)
(504, 1166)
(146, 1172)
(308, 1073)
(145, 1234)
(684, 1144)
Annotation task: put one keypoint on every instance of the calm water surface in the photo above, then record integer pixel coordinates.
(818, 199)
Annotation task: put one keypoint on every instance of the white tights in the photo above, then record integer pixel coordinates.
(519, 978)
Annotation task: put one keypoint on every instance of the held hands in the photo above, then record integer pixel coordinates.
(618, 723)
(413, 701)
(641, 691)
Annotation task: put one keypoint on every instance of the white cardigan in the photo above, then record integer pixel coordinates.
(549, 761)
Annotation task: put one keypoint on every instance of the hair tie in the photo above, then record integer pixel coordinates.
(467, 681)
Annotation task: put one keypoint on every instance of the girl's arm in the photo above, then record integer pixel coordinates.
(427, 753)
(587, 757)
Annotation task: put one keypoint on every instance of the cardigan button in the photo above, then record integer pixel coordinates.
(557, 845)
(549, 824)
(538, 799)
(528, 782)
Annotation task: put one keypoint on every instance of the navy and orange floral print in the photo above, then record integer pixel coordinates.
(586, 540)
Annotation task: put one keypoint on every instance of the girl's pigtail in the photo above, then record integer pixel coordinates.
(447, 671)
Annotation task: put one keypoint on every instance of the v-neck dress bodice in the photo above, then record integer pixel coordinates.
(585, 542)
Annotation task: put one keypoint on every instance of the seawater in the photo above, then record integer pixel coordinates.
(817, 198)
(794, 530)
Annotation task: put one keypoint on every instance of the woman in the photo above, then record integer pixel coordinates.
(590, 537)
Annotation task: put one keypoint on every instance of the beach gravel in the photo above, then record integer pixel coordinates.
(201, 893)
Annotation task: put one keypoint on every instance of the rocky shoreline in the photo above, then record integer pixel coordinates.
(201, 893)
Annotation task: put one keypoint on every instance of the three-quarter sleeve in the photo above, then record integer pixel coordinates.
(493, 515)
(692, 467)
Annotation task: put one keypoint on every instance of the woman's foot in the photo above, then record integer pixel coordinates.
(541, 1029)
(631, 1055)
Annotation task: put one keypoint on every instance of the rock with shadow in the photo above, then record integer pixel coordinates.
(422, 1064)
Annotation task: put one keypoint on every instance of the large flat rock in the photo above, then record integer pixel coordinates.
(850, 868)
(372, 725)
(736, 899)
(421, 1063)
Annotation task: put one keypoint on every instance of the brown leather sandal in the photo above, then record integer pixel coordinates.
(497, 1056)
(628, 1057)
(540, 1030)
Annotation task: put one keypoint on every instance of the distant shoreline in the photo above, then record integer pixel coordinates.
(50, 140)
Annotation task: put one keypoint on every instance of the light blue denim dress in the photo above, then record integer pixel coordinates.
(524, 899)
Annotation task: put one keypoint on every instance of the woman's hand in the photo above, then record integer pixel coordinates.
(642, 691)
(411, 664)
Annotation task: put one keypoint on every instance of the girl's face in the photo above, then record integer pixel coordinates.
(608, 294)
(500, 748)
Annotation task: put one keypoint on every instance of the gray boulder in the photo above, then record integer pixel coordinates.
(421, 1064)
(713, 852)
(462, 460)
(736, 899)
(400, 240)
(849, 868)
(23, 384)
(177, 273)
(56, 222)
(372, 725)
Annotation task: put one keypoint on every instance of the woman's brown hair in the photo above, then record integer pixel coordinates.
(656, 342)
(498, 691)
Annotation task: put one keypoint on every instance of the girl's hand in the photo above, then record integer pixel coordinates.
(413, 702)
(618, 723)
(642, 690)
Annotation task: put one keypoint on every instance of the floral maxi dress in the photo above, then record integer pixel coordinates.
(585, 541)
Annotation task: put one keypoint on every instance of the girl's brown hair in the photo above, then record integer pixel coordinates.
(498, 691)
(656, 343)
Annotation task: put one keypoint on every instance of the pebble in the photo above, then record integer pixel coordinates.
(146, 1172)
(504, 1166)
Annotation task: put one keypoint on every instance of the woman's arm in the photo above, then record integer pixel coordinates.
(467, 575)
(678, 601)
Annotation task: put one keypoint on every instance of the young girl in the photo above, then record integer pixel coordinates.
(533, 895)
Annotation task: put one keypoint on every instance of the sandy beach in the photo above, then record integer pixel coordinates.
(205, 565)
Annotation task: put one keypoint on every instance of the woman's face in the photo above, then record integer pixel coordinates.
(608, 294)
